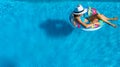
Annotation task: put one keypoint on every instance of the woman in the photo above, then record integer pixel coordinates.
(81, 17)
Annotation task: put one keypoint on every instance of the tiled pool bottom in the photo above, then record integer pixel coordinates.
(36, 34)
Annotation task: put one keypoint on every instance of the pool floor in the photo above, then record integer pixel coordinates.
(39, 34)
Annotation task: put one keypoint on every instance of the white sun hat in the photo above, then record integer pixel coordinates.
(79, 10)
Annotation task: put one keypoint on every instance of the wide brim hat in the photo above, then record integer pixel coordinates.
(79, 10)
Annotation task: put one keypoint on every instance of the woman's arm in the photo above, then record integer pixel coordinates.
(82, 23)
(74, 23)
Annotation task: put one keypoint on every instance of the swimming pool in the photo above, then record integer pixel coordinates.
(39, 34)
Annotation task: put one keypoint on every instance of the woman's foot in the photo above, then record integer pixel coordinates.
(116, 18)
(114, 25)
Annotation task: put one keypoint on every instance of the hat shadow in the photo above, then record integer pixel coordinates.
(56, 28)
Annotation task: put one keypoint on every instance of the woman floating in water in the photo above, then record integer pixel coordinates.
(89, 18)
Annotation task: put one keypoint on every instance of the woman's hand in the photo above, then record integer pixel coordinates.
(85, 21)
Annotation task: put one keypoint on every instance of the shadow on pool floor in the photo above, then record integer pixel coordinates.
(5, 62)
(56, 28)
(68, 0)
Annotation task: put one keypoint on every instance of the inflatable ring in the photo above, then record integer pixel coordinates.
(96, 28)
(91, 11)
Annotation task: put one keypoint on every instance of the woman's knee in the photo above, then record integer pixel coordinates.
(101, 16)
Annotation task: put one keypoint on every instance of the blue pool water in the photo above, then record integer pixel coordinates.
(39, 34)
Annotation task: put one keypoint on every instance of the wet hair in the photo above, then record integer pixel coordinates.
(75, 15)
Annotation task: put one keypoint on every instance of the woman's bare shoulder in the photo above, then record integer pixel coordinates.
(76, 18)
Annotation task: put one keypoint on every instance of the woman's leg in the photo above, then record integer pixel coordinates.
(105, 19)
